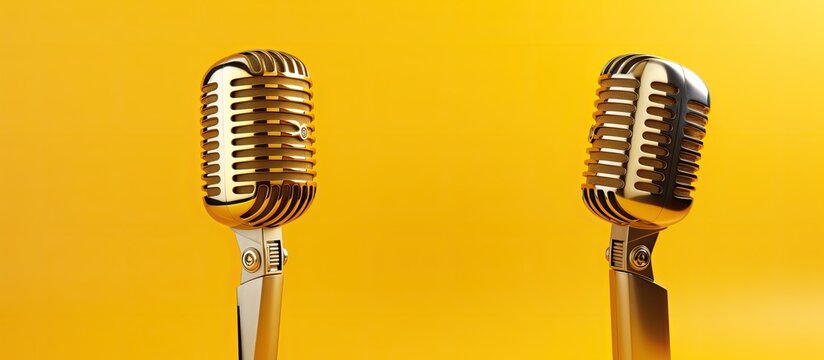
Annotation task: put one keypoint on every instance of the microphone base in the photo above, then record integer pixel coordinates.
(260, 292)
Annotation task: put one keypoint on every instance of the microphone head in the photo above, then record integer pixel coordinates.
(258, 154)
(649, 125)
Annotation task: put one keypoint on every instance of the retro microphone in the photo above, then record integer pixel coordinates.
(648, 132)
(258, 170)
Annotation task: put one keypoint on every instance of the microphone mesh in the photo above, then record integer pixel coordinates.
(649, 127)
(258, 137)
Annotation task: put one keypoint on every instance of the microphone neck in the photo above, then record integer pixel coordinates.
(261, 252)
(630, 249)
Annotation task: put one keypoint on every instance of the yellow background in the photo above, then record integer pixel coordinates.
(451, 145)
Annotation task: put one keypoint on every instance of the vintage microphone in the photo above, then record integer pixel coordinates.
(649, 125)
(258, 169)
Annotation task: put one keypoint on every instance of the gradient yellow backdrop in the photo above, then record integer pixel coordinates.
(448, 223)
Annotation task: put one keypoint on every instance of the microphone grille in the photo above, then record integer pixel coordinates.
(611, 132)
(671, 141)
(649, 127)
(258, 142)
(692, 142)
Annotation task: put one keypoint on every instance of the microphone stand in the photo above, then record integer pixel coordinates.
(260, 291)
(640, 321)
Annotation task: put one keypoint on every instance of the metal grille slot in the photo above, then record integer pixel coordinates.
(610, 135)
(269, 134)
(210, 140)
(691, 144)
(661, 134)
(279, 204)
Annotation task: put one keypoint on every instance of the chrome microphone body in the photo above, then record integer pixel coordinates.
(646, 141)
(258, 169)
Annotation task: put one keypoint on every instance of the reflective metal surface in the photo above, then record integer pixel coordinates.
(259, 294)
(258, 164)
(258, 169)
(649, 128)
(640, 321)
(649, 125)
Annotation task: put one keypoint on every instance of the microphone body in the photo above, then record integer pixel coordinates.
(258, 170)
(649, 127)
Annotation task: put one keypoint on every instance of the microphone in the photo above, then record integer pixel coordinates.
(258, 173)
(646, 141)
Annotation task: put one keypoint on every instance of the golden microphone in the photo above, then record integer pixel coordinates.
(258, 170)
(646, 141)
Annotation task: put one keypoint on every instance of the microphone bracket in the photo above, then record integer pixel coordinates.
(262, 252)
(640, 318)
(630, 250)
(260, 292)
